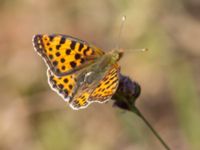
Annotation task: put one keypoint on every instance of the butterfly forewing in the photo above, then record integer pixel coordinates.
(64, 54)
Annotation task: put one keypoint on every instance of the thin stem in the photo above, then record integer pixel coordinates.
(136, 110)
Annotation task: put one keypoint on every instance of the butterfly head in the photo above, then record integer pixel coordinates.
(117, 54)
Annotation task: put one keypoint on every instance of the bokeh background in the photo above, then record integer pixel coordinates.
(32, 117)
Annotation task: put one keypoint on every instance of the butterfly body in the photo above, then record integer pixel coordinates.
(79, 72)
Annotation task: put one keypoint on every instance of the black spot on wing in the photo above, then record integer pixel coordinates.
(86, 50)
(82, 61)
(65, 80)
(62, 60)
(58, 47)
(55, 63)
(62, 41)
(106, 82)
(80, 47)
(68, 51)
(112, 77)
(73, 44)
(51, 37)
(60, 86)
(77, 56)
(114, 81)
(57, 70)
(63, 67)
(50, 56)
(73, 64)
(57, 54)
(70, 86)
(66, 93)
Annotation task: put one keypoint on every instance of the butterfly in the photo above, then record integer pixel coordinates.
(79, 72)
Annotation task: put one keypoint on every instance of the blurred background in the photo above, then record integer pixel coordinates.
(34, 117)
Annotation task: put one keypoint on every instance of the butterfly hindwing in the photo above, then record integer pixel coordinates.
(100, 92)
(64, 54)
(64, 85)
(107, 86)
(81, 99)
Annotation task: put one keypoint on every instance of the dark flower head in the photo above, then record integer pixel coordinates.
(127, 93)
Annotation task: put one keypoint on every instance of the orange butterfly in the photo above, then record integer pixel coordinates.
(79, 72)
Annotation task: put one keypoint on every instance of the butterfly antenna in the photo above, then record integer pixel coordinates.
(120, 32)
(139, 50)
(119, 37)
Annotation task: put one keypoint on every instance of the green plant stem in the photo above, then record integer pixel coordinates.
(134, 109)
